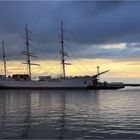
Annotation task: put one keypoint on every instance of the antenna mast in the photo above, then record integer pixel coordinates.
(63, 53)
(98, 71)
(4, 58)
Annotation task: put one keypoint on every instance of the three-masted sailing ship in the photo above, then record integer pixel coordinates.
(24, 81)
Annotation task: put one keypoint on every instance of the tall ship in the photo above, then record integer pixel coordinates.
(24, 81)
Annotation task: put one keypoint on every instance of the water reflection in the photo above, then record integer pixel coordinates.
(27, 121)
(69, 114)
(62, 117)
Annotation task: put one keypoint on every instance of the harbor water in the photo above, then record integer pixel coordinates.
(70, 114)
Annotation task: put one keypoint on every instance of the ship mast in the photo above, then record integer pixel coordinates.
(63, 53)
(4, 58)
(28, 53)
(62, 49)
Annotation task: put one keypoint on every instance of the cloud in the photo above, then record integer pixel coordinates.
(90, 27)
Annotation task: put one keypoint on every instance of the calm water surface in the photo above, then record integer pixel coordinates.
(70, 114)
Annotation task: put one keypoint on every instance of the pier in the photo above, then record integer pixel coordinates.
(132, 85)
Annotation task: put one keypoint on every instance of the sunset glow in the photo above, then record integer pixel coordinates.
(127, 69)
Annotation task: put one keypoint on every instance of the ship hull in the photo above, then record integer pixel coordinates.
(43, 88)
(58, 84)
(60, 88)
(55, 84)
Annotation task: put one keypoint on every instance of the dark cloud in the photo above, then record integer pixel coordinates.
(91, 23)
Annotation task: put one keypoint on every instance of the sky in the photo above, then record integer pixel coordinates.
(105, 33)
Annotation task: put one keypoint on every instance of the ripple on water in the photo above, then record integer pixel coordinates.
(70, 114)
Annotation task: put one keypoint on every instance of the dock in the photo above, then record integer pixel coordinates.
(132, 85)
